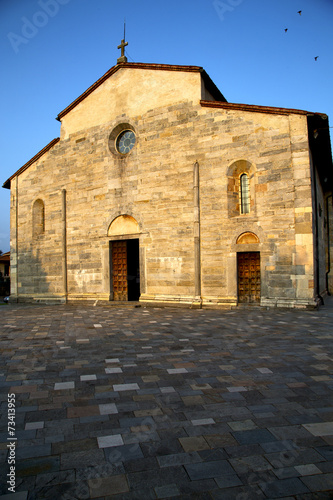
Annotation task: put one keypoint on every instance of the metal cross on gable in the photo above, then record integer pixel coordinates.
(122, 46)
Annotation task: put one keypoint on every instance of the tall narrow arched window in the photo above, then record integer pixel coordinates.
(38, 218)
(244, 194)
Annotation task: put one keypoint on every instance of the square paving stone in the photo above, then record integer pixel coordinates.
(228, 481)
(33, 451)
(284, 487)
(307, 470)
(294, 457)
(244, 450)
(195, 443)
(22, 495)
(31, 467)
(237, 389)
(113, 370)
(276, 446)
(34, 425)
(126, 387)
(286, 473)
(53, 478)
(81, 459)
(326, 452)
(148, 413)
(264, 370)
(159, 477)
(59, 386)
(252, 492)
(167, 390)
(172, 371)
(203, 421)
(320, 429)
(201, 489)
(167, 491)
(161, 447)
(108, 409)
(210, 455)
(244, 425)
(193, 400)
(220, 440)
(103, 470)
(254, 436)
(140, 465)
(150, 378)
(244, 465)
(94, 418)
(101, 487)
(289, 432)
(207, 470)
(82, 411)
(322, 482)
(124, 453)
(86, 378)
(128, 422)
(76, 445)
(78, 489)
(108, 441)
(179, 459)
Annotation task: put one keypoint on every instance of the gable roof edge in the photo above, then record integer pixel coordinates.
(259, 109)
(151, 66)
(6, 184)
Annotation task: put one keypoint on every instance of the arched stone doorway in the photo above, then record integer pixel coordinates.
(248, 268)
(124, 234)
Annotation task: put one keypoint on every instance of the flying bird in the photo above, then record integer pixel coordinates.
(316, 58)
(299, 12)
(285, 29)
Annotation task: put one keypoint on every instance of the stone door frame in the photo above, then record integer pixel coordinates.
(131, 280)
(249, 287)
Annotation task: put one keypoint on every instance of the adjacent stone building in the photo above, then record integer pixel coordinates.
(159, 190)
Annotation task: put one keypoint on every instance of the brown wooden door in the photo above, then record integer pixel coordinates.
(248, 264)
(119, 270)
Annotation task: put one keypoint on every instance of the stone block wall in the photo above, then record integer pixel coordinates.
(154, 184)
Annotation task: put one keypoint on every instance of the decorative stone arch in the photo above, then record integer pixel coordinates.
(239, 167)
(234, 173)
(247, 238)
(38, 218)
(124, 225)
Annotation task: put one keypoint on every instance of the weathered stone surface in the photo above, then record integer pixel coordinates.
(154, 185)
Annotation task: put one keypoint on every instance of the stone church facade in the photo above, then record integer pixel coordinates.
(159, 190)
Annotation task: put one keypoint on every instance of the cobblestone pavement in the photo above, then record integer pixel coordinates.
(145, 403)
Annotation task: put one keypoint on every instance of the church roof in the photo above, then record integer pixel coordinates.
(5, 257)
(256, 109)
(31, 161)
(210, 85)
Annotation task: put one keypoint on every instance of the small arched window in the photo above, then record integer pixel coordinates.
(38, 218)
(244, 194)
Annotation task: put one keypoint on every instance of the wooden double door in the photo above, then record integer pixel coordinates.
(125, 270)
(249, 283)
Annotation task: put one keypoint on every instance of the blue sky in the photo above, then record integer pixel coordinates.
(53, 50)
